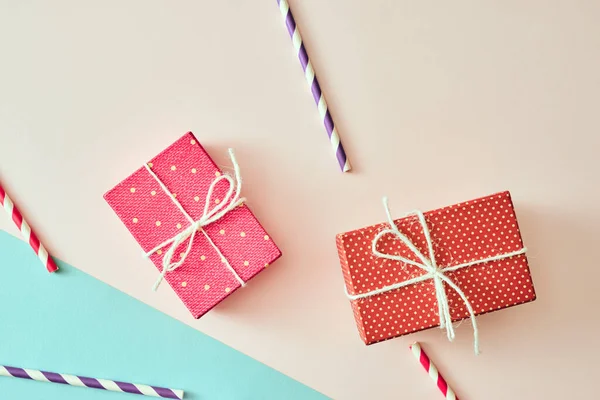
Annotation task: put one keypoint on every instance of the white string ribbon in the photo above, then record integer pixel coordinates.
(433, 271)
(231, 200)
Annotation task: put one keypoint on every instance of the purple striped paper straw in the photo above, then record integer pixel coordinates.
(309, 74)
(82, 381)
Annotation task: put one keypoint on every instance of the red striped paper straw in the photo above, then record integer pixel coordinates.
(311, 79)
(26, 231)
(433, 372)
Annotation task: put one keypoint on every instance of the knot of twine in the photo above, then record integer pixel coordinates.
(433, 271)
(231, 200)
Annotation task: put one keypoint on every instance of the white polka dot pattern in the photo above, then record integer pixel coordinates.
(202, 281)
(460, 233)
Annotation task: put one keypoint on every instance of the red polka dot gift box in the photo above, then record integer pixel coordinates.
(192, 223)
(434, 268)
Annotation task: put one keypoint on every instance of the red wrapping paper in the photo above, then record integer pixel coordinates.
(203, 280)
(460, 233)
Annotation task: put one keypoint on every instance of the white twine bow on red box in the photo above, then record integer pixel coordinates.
(433, 271)
(231, 200)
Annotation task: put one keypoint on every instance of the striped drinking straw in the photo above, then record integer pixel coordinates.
(93, 383)
(432, 371)
(26, 231)
(309, 74)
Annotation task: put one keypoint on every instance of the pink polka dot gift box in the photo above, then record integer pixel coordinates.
(192, 223)
(431, 269)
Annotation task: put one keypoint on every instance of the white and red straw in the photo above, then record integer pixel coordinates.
(26, 231)
(433, 372)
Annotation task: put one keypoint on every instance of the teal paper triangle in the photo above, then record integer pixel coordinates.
(69, 322)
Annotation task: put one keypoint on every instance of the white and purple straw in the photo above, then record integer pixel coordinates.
(309, 74)
(73, 380)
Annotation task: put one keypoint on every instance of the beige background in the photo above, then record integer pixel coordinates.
(437, 102)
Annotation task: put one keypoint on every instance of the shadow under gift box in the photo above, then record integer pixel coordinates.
(461, 233)
(203, 280)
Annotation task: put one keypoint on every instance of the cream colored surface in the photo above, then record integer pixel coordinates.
(436, 102)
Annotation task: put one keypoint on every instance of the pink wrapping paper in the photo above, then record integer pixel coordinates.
(203, 280)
